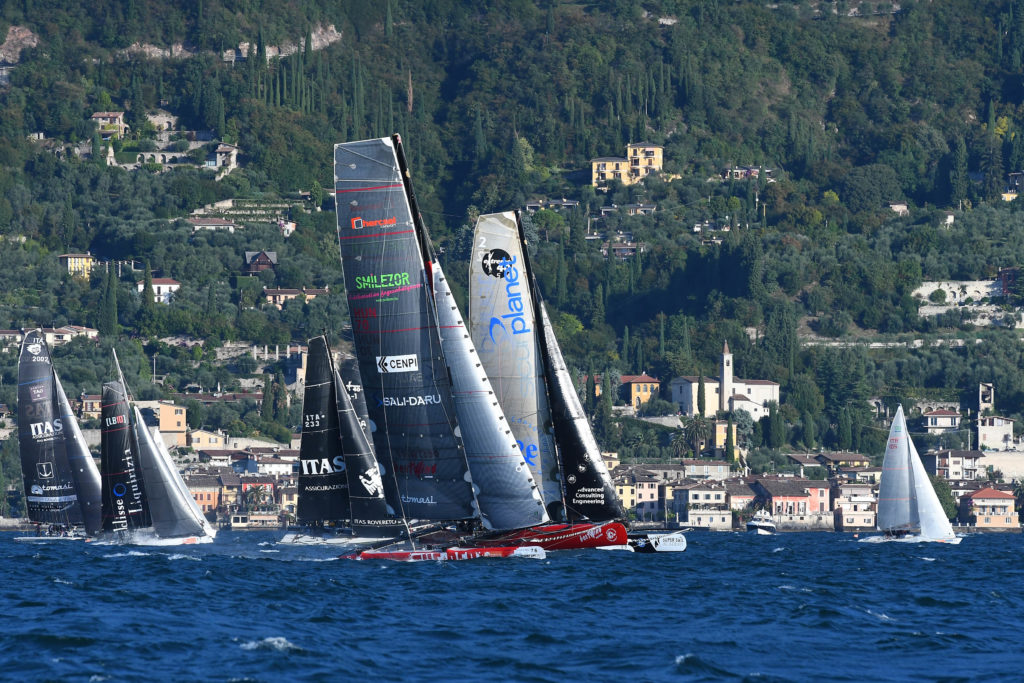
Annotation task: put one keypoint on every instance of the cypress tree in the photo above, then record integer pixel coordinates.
(730, 446)
(701, 398)
(625, 348)
(147, 307)
(107, 322)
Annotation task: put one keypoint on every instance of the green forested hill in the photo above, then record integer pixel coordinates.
(851, 105)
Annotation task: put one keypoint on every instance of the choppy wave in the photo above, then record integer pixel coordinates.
(729, 608)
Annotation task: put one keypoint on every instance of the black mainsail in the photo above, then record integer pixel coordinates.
(394, 326)
(124, 500)
(323, 492)
(62, 483)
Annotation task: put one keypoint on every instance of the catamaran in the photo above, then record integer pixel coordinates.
(340, 489)
(510, 325)
(907, 501)
(144, 501)
(434, 420)
(62, 482)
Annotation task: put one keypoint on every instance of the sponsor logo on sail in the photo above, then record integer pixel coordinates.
(421, 500)
(408, 401)
(319, 466)
(44, 470)
(114, 420)
(371, 481)
(529, 452)
(48, 429)
(418, 468)
(36, 490)
(387, 365)
(35, 348)
(382, 281)
(498, 263)
(358, 223)
(894, 444)
(38, 392)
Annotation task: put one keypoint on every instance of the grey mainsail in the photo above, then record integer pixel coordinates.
(173, 509)
(83, 466)
(503, 326)
(506, 491)
(897, 509)
(394, 325)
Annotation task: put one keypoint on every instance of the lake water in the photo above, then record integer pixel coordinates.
(734, 606)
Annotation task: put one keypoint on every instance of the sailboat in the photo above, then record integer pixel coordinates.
(907, 501)
(62, 482)
(340, 489)
(434, 420)
(518, 349)
(145, 501)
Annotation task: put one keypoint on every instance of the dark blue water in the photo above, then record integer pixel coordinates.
(792, 607)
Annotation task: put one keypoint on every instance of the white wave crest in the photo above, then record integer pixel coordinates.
(182, 556)
(276, 643)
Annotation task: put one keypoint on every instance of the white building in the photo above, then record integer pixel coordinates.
(725, 392)
(995, 433)
(163, 289)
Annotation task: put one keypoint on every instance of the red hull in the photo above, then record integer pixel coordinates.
(561, 536)
(459, 553)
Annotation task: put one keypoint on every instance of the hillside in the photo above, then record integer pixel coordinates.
(852, 106)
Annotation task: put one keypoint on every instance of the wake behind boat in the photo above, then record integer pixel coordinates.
(907, 501)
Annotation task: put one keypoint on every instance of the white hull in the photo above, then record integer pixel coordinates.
(295, 538)
(909, 539)
(148, 539)
(761, 530)
(49, 539)
(666, 542)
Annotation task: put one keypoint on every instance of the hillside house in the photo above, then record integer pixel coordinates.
(163, 289)
(204, 223)
(954, 465)
(995, 433)
(942, 420)
(642, 159)
(258, 261)
(77, 265)
(110, 124)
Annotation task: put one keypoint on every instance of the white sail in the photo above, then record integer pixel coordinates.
(906, 498)
(505, 489)
(897, 509)
(174, 510)
(503, 326)
(934, 523)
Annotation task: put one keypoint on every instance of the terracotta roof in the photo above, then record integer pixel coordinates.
(633, 379)
(990, 492)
